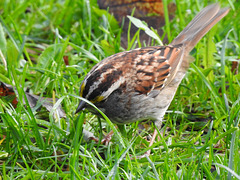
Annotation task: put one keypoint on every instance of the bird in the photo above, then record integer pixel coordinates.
(140, 84)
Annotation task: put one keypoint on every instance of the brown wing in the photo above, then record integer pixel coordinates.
(156, 68)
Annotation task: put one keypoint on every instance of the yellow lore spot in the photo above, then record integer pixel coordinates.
(81, 89)
(97, 99)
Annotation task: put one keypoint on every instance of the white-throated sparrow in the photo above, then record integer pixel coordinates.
(140, 84)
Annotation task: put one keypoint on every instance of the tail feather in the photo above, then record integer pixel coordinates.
(199, 26)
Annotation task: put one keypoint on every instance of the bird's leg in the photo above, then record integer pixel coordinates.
(107, 138)
(157, 126)
(151, 142)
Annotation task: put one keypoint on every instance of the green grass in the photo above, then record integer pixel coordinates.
(200, 133)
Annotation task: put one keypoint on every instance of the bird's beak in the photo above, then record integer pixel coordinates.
(80, 106)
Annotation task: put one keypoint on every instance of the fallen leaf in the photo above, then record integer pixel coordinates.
(150, 11)
(235, 66)
(7, 92)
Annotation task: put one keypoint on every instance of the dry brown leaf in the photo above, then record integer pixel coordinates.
(150, 11)
(235, 65)
(7, 90)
